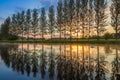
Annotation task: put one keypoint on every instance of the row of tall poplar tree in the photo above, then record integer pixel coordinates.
(69, 17)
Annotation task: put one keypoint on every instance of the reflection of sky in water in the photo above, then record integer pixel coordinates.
(93, 51)
(70, 55)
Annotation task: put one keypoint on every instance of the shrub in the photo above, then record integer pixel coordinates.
(107, 36)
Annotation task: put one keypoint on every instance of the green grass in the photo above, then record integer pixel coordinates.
(92, 41)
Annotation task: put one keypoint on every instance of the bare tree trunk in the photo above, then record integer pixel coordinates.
(98, 62)
(51, 35)
(116, 26)
(83, 31)
(60, 31)
(77, 29)
(89, 30)
(70, 32)
(65, 33)
(97, 33)
(34, 40)
(42, 36)
(28, 39)
(116, 34)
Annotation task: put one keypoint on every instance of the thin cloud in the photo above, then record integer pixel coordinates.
(1, 18)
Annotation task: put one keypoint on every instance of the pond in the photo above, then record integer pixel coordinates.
(59, 61)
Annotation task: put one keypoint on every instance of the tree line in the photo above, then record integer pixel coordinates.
(70, 18)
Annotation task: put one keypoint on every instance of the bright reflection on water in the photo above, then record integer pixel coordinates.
(59, 62)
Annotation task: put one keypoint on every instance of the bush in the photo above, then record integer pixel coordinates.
(8, 37)
(107, 36)
(12, 37)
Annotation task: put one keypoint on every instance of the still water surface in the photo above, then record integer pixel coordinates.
(59, 62)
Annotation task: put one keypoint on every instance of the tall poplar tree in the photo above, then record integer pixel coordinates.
(71, 14)
(34, 22)
(51, 20)
(5, 28)
(100, 15)
(115, 16)
(83, 18)
(22, 23)
(28, 23)
(90, 17)
(65, 16)
(60, 17)
(43, 22)
(18, 27)
(13, 25)
(77, 16)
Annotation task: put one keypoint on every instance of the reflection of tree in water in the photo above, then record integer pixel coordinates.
(34, 61)
(43, 62)
(13, 57)
(116, 67)
(100, 67)
(60, 64)
(51, 64)
(70, 67)
(27, 60)
(17, 60)
(90, 66)
(107, 49)
(28, 64)
(20, 63)
(4, 53)
(65, 64)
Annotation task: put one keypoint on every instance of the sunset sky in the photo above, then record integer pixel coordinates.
(9, 7)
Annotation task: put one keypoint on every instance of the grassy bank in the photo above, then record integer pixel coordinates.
(111, 41)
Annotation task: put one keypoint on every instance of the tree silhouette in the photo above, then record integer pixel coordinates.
(115, 16)
(83, 17)
(43, 22)
(71, 14)
(28, 23)
(51, 20)
(60, 17)
(100, 15)
(34, 22)
(77, 16)
(5, 28)
(65, 16)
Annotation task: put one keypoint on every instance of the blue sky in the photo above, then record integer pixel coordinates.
(9, 7)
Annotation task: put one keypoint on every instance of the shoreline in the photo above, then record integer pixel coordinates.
(64, 41)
